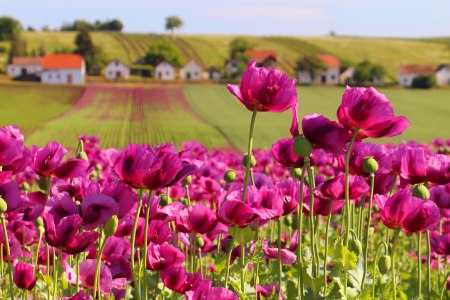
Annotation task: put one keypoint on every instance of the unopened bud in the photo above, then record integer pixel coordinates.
(164, 199)
(384, 264)
(288, 220)
(199, 242)
(3, 205)
(187, 180)
(39, 222)
(355, 246)
(230, 176)
(82, 155)
(370, 165)
(302, 147)
(252, 161)
(421, 191)
(98, 167)
(25, 186)
(41, 230)
(296, 173)
(111, 226)
(43, 183)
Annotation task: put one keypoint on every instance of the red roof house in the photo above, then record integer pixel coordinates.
(265, 58)
(63, 68)
(62, 61)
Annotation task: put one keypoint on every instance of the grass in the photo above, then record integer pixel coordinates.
(427, 110)
(29, 106)
(124, 115)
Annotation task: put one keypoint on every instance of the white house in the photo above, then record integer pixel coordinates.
(346, 76)
(329, 76)
(191, 71)
(443, 74)
(116, 70)
(63, 69)
(231, 68)
(212, 74)
(407, 73)
(25, 65)
(164, 71)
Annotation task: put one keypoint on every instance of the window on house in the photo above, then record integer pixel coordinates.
(49, 76)
(57, 76)
(332, 77)
(167, 73)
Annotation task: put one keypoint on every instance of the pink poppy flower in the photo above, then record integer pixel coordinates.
(87, 276)
(371, 112)
(197, 218)
(162, 256)
(440, 244)
(287, 257)
(81, 295)
(441, 196)
(10, 149)
(23, 276)
(96, 209)
(283, 152)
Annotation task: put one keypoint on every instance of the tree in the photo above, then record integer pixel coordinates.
(93, 55)
(367, 71)
(18, 48)
(163, 51)
(423, 82)
(9, 28)
(238, 46)
(173, 22)
(113, 25)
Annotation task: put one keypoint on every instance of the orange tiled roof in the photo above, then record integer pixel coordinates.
(330, 60)
(260, 55)
(26, 60)
(62, 61)
(416, 69)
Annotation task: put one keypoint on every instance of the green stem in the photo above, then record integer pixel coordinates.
(227, 275)
(249, 152)
(200, 260)
(191, 251)
(8, 255)
(347, 198)
(375, 264)
(361, 217)
(242, 262)
(330, 210)
(300, 236)
(156, 285)
(311, 214)
(369, 220)
(394, 286)
(55, 271)
(257, 263)
(419, 264)
(97, 267)
(147, 216)
(428, 264)
(133, 239)
(444, 285)
(78, 272)
(279, 257)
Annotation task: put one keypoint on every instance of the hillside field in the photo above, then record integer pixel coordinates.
(156, 114)
(212, 50)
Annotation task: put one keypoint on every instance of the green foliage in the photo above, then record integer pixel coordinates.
(93, 55)
(310, 63)
(173, 22)
(163, 51)
(238, 46)
(367, 71)
(344, 258)
(9, 28)
(423, 82)
(108, 25)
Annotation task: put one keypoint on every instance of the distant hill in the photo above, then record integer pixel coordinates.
(212, 50)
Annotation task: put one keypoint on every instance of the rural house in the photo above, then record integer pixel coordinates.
(164, 71)
(24, 66)
(407, 73)
(443, 74)
(263, 58)
(213, 74)
(117, 70)
(346, 76)
(329, 76)
(63, 68)
(191, 71)
(231, 68)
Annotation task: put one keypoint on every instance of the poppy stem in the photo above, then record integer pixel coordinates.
(311, 214)
(242, 263)
(330, 210)
(429, 264)
(97, 267)
(369, 220)
(144, 256)
(8, 255)
(300, 236)
(280, 270)
(249, 152)
(133, 239)
(444, 285)
(419, 264)
(383, 243)
(227, 275)
(394, 240)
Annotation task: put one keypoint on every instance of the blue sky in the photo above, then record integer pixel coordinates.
(390, 18)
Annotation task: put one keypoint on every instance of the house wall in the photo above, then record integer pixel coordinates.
(331, 76)
(346, 76)
(304, 77)
(191, 71)
(61, 76)
(116, 70)
(443, 76)
(406, 79)
(164, 71)
(16, 70)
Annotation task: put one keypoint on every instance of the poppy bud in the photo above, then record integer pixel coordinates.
(384, 264)
(98, 167)
(252, 161)
(111, 226)
(187, 180)
(288, 220)
(421, 191)
(39, 222)
(355, 246)
(370, 165)
(302, 147)
(230, 176)
(199, 242)
(43, 183)
(41, 230)
(3, 205)
(164, 200)
(25, 186)
(296, 173)
(82, 155)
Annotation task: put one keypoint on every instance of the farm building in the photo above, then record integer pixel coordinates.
(213, 74)
(346, 76)
(117, 70)
(329, 76)
(443, 74)
(407, 73)
(191, 71)
(164, 71)
(263, 58)
(63, 68)
(231, 68)
(25, 66)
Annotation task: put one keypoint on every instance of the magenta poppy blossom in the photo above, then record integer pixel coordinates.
(60, 206)
(267, 290)
(325, 134)
(335, 188)
(283, 152)
(65, 234)
(289, 192)
(287, 257)
(175, 278)
(169, 166)
(271, 90)
(10, 149)
(371, 112)
(87, 276)
(23, 276)
(441, 196)
(162, 256)
(268, 199)
(81, 295)
(440, 244)
(411, 214)
(158, 232)
(96, 209)
(197, 218)
(11, 194)
(123, 196)
(116, 246)
(212, 293)
(360, 151)
(120, 268)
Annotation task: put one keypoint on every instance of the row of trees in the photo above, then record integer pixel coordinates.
(108, 25)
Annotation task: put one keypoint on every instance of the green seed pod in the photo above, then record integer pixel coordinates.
(25, 186)
(421, 191)
(370, 165)
(164, 200)
(302, 147)
(355, 246)
(230, 176)
(252, 161)
(296, 173)
(288, 220)
(384, 264)
(43, 183)
(3, 205)
(82, 155)
(187, 180)
(98, 167)
(39, 222)
(41, 230)
(199, 242)
(111, 226)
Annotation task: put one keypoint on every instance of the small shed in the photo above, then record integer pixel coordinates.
(213, 74)
(191, 71)
(443, 75)
(164, 71)
(24, 66)
(117, 70)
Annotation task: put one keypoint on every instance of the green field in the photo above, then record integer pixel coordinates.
(212, 50)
